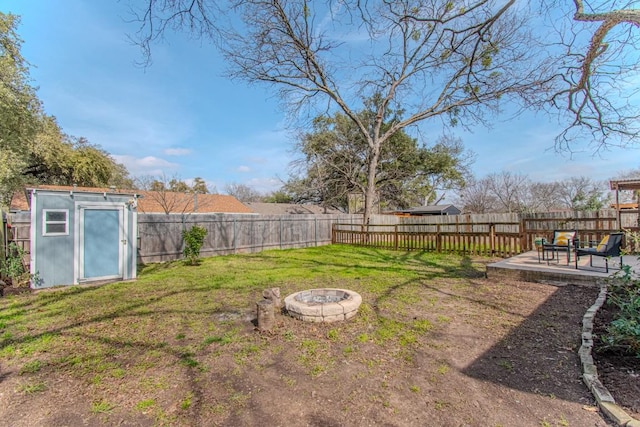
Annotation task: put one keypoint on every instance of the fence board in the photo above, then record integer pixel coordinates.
(160, 235)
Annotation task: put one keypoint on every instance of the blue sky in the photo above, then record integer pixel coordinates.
(181, 117)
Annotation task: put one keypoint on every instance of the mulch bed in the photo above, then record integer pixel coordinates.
(618, 372)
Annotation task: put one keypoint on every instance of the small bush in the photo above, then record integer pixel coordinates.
(193, 241)
(632, 240)
(12, 268)
(623, 333)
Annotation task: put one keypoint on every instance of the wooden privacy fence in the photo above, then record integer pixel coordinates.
(160, 235)
(502, 235)
(486, 239)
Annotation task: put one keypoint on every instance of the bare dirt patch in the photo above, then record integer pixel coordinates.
(478, 353)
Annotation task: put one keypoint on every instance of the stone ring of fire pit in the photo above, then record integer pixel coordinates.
(323, 305)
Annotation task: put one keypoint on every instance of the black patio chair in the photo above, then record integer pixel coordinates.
(608, 247)
(563, 241)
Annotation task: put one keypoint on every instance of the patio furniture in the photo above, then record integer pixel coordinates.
(608, 247)
(563, 241)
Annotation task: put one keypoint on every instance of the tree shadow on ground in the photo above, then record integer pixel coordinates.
(540, 354)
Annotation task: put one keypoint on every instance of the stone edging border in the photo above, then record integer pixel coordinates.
(605, 401)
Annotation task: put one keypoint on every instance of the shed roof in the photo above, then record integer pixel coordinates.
(20, 200)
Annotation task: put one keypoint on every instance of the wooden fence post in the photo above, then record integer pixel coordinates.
(492, 238)
(438, 239)
(395, 235)
(525, 242)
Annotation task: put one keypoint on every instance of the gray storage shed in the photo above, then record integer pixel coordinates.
(81, 235)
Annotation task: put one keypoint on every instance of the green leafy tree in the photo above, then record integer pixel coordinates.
(199, 186)
(178, 186)
(278, 196)
(19, 108)
(334, 163)
(33, 148)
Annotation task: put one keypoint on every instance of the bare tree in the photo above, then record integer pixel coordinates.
(509, 190)
(544, 197)
(598, 58)
(435, 60)
(243, 192)
(171, 194)
(477, 197)
(582, 193)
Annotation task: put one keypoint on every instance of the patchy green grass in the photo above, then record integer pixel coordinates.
(134, 342)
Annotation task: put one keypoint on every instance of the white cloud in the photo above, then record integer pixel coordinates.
(148, 165)
(264, 185)
(177, 151)
(243, 169)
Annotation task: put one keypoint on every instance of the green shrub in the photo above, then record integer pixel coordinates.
(623, 332)
(12, 267)
(193, 241)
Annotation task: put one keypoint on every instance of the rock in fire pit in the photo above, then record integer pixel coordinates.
(323, 305)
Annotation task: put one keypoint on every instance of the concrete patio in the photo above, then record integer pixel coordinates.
(527, 267)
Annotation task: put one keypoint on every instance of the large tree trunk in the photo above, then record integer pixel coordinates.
(370, 189)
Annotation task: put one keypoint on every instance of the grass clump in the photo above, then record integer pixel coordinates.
(31, 367)
(101, 407)
(146, 404)
(30, 388)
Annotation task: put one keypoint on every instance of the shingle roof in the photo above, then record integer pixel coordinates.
(156, 202)
(431, 209)
(151, 201)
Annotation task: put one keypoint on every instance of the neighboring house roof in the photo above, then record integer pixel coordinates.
(159, 202)
(431, 210)
(290, 209)
(19, 202)
(150, 201)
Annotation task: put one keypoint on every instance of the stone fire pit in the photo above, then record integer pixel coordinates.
(323, 305)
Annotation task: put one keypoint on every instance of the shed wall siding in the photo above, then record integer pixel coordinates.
(53, 254)
(54, 258)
